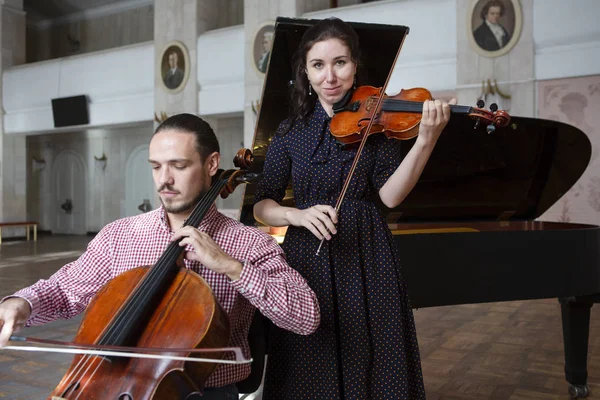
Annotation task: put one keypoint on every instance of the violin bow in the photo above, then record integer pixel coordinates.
(125, 351)
(365, 136)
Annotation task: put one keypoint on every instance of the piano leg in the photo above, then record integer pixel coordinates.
(576, 329)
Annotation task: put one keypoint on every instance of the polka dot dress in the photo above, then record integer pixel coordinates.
(366, 345)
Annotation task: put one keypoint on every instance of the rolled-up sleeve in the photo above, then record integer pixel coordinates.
(277, 290)
(69, 290)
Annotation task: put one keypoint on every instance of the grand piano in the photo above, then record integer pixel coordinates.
(468, 232)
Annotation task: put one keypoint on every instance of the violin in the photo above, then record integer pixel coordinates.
(161, 307)
(399, 116)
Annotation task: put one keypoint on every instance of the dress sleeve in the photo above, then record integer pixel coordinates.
(68, 292)
(388, 158)
(276, 170)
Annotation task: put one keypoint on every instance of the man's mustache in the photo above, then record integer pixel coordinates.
(168, 188)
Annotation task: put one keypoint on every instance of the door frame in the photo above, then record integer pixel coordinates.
(54, 203)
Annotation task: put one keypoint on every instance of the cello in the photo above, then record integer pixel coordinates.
(163, 307)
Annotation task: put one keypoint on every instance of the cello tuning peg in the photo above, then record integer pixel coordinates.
(480, 103)
(494, 107)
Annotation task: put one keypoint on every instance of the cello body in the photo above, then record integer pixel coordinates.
(188, 303)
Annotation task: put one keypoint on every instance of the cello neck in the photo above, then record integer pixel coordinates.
(144, 299)
(417, 107)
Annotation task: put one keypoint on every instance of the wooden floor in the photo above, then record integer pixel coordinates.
(510, 350)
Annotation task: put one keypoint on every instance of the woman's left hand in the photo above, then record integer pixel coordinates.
(435, 117)
(207, 252)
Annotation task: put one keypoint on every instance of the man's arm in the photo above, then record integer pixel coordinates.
(263, 277)
(277, 290)
(68, 291)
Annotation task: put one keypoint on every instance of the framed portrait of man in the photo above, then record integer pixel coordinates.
(494, 26)
(261, 47)
(174, 66)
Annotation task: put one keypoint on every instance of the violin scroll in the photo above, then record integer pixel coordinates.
(492, 119)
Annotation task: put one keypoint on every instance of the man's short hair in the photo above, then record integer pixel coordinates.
(206, 140)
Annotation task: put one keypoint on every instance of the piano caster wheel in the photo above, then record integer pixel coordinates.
(578, 391)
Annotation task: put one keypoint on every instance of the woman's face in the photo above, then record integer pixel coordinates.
(330, 71)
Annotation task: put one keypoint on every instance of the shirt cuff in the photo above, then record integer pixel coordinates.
(252, 281)
(31, 299)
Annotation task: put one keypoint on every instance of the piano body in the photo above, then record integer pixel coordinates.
(468, 232)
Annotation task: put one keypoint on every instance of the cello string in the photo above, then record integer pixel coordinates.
(143, 287)
(152, 279)
(81, 389)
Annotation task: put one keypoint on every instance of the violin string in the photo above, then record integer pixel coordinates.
(417, 106)
(364, 139)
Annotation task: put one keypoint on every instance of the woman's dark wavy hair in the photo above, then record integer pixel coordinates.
(301, 104)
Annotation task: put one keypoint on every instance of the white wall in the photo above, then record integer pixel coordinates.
(221, 71)
(566, 37)
(120, 81)
(428, 56)
(119, 84)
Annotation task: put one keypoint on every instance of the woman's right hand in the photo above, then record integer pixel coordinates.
(319, 219)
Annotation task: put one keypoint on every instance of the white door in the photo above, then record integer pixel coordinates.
(139, 185)
(69, 186)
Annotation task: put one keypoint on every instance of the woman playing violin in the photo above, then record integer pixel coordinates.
(244, 267)
(366, 345)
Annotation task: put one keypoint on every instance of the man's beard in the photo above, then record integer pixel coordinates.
(183, 207)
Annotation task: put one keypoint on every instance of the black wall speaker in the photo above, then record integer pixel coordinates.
(69, 111)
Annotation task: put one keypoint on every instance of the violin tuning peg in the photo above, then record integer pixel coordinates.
(494, 107)
(491, 128)
(476, 123)
(480, 103)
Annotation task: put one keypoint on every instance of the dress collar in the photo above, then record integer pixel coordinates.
(323, 146)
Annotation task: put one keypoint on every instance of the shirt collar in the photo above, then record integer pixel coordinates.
(210, 215)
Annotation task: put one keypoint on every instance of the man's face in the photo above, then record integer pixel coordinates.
(266, 43)
(493, 15)
(179, 174)
(173, 60)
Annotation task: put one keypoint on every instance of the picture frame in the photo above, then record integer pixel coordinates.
(261, 46)
(494, 26)
(174, 66)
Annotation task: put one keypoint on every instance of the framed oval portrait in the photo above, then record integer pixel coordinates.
(494, 26)
(261, 46)
(174, 66)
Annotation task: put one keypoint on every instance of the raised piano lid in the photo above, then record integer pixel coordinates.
(379, 45)
(514, 173)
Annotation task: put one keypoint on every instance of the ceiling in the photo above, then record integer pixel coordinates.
(39, 10)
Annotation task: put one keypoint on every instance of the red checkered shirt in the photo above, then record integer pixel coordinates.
(266, 281)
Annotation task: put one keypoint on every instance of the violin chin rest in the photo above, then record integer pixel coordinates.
(339, 106)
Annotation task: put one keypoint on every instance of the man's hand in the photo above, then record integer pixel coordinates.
(14, 313)
(208, 253)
